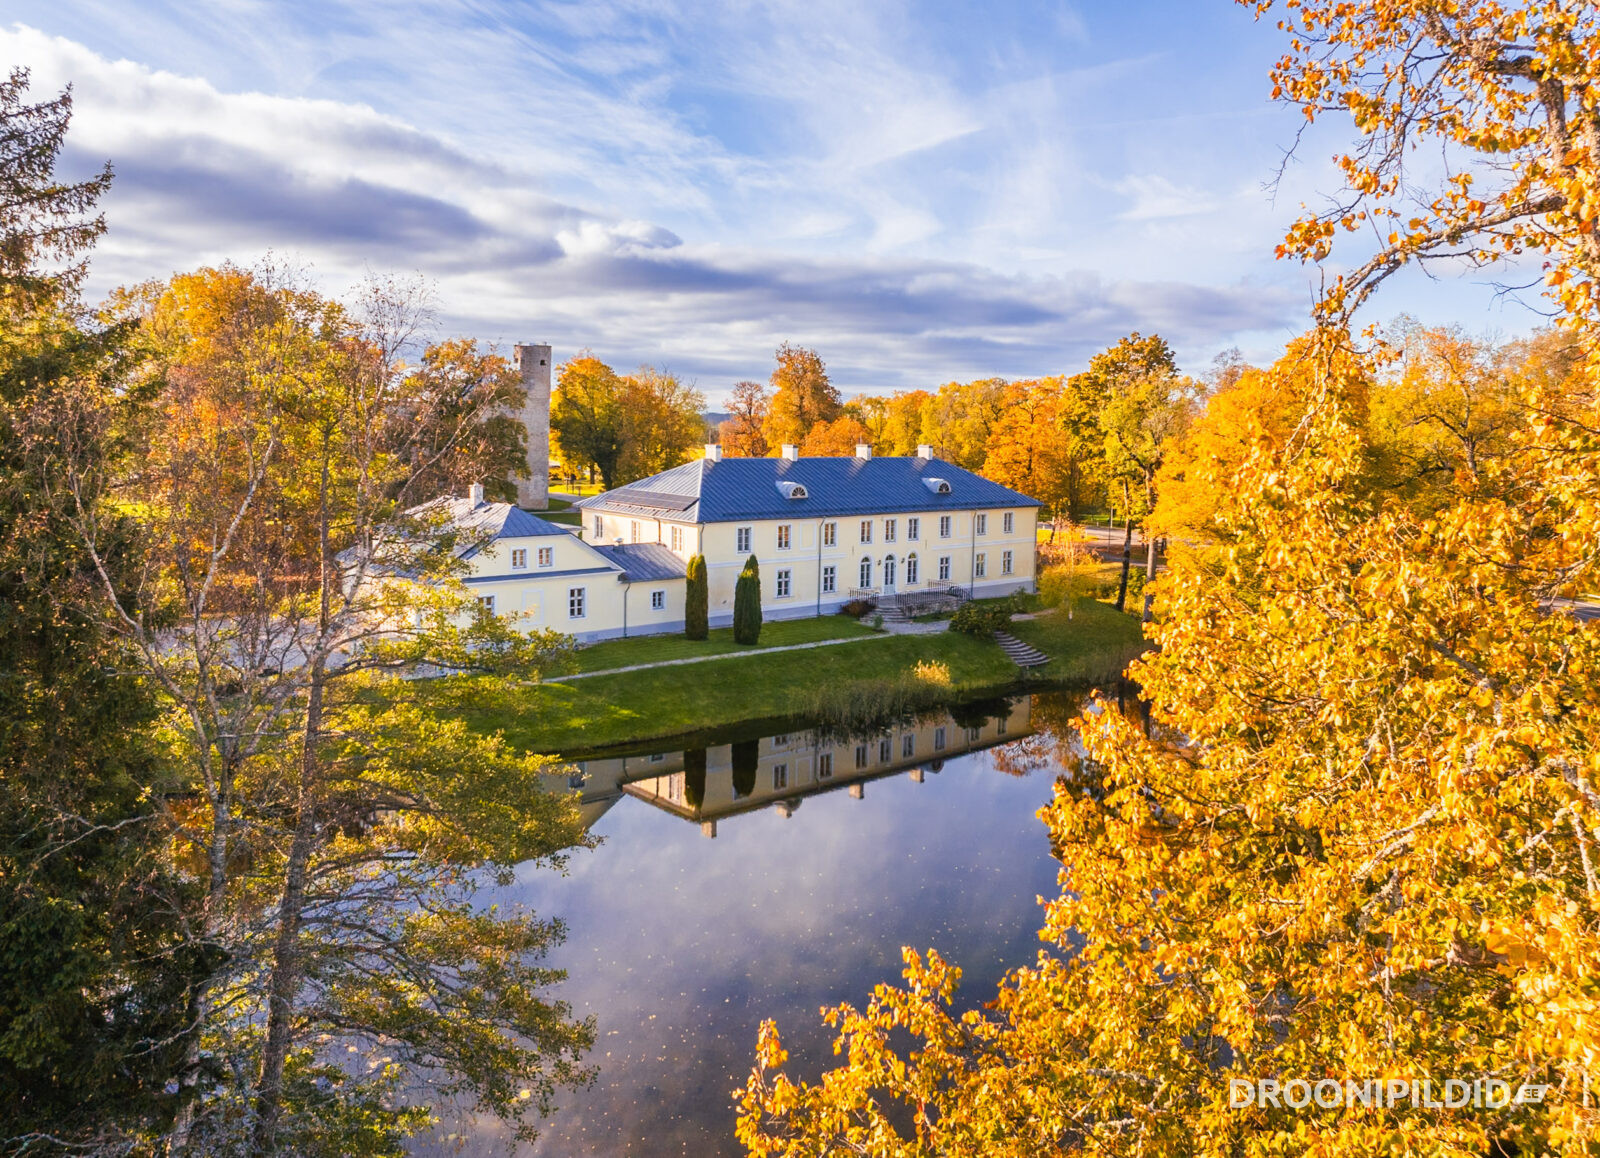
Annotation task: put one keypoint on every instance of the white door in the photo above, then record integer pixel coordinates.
(888, 573)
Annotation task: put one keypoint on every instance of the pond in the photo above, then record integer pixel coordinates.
(788, 882)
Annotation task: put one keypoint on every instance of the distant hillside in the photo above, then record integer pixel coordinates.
(714, 419)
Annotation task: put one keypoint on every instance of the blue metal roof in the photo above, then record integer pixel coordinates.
(643, 562)
(730, 489)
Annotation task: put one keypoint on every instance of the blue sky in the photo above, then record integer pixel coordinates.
(923, 192)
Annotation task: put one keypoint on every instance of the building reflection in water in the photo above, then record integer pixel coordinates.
(708, 786)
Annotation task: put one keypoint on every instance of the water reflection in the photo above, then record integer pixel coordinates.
(828, 857)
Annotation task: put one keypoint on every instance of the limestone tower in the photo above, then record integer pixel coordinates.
(533, 363)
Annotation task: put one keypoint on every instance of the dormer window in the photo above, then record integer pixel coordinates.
(792, 490)
(937, 485)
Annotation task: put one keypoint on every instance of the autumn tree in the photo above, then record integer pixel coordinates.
(742, 433)
(1029, 447)
(903, 425)
(802, 396)
(957, 422)
(836, 439)
(456, 378)
(662, 421)
(336, 831)
(586, 416)
(1355, 839)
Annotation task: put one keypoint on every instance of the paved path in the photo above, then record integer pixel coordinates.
(724, 655)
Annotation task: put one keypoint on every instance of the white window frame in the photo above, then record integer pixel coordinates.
(938, 739)
(1005, 562)
(830, 534)
(1008, 523)
(908, 745)
(785, 536)
(885, 750)
(658, 601)
(980, 565)
(864, 572)
(741, 541)
(633, 531)
(944, 568)
(677, 538)
(944, 526)
(519, 558)
(913, 530)
(866, 530)
(599, 528)
(830, 579)
(783, 584)
(547, 556)
(487, 603)
(889, 529)
(577, 603)
(862, 759)
(825, 766)
(980, 525)
(911, 569)
(780, 777)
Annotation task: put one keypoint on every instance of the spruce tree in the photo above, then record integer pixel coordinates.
(747, 604)
(696, 600)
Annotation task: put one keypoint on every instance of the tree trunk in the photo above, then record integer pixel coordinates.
(1127, 564)
(1149, 573)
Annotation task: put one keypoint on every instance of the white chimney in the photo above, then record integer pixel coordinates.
(791, 451)
(924, 451)
(863, 450)
(475, 494)
(713, 452)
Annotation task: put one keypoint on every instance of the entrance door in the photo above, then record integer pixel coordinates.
(888, 574)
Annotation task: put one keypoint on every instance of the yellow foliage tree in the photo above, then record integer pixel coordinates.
(1356, 840)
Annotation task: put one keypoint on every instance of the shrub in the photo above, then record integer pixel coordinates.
(747, 604)
(746, 754)
(694, 777)
(856, 608)
(982, 618)
(877, 623)
(697, 595)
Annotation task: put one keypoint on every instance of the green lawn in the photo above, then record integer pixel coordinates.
(655, 648)
(1094, 645)
(584, 715)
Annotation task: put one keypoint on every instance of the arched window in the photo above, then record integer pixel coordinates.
(888, 571)
(911, 570)
(866, 572)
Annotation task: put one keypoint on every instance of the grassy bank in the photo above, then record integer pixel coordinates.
(603, 711)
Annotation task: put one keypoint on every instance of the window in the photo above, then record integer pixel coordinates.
(784, 588)
(658, 757)
(519, 558)
(487, 603)
(913, 529)
(781, 740)
(780, 777)
(677, 538)
(658, 601)
(866, 530)
(783, 536)
(944, 568)
(938, 739)
(825, 766)
(547, 556)
(980, 524)
(911, 570)
(972, 735)
(980, 565)
(575, 601)
(829, 579)
(1008, 522)
(675, 788)
(599, 527)
(908, 746)
(1000, 726)
(944, 526)
(866, 572)
(1005, 562)
(885, 750)
(830, 534)
(633, 532)
(742, 540)
(861, 755)
(888, 530)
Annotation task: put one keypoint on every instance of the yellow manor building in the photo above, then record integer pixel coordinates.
(825, 531)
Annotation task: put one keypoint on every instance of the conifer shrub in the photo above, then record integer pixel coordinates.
(747, 604)
(694, 777)
(697, 597)
(746, 754)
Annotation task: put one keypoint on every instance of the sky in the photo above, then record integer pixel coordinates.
(923, 192)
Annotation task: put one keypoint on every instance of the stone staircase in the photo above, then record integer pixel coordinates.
(1022, 654)
(906, 606)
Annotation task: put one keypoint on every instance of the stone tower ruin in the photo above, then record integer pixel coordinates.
(533, 363)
